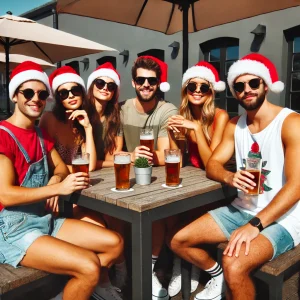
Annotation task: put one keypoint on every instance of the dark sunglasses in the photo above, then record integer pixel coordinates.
(29, 94)
(141, 80)
(100, 84)
(192, 87)
(76, 90)
(253, 83)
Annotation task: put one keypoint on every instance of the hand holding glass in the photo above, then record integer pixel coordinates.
(147, 138)
(253, 166)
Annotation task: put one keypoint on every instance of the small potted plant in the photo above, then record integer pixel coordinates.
(143, 171)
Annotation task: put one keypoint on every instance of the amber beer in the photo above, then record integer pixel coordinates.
(80, 163)
(147, 138)
(172, 166)
(253, 166)
(122, 163)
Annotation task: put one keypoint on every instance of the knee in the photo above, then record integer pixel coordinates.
(90, 268)
(234, 270)
(177, 240)
(115, 249)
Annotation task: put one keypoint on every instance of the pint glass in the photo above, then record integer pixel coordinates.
(253, 166)
(181, 144)
(122, 163)
(80, 163)
(172, 166)
(147, 138)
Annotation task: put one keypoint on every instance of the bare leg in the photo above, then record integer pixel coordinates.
(87, 215)
(237, 269)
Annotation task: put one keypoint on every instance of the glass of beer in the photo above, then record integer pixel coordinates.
(181, 143)
(122, 163)
(147, 138)
(172, 166)
(253, 166)
(80, 163)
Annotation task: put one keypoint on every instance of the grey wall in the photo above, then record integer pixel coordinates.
(120, 37)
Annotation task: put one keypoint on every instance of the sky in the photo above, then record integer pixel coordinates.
(18, 7)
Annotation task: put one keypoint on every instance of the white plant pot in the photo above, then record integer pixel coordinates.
(143, 175)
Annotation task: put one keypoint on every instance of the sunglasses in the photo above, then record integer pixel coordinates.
(29, 94)
(141, 80)
(253, 83)
(76, 90)
(100, 84)
(192, 87)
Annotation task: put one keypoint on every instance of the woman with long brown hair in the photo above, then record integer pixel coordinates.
(202, 125)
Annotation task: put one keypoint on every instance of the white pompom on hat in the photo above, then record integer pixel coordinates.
(164, 85)
(27, 70)
(258, 65)
(207, 72)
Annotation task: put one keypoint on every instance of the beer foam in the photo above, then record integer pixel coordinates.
(122, 159)
(146, 137)
(80, 161)
(172, 159)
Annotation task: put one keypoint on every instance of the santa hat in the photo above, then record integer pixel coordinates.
(164, 86)
(259, 65)
(27, 70)
(206, 71)
(64, 75)
(107, 70)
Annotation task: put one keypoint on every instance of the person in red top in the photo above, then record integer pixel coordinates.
(203, 125)
(30, 235)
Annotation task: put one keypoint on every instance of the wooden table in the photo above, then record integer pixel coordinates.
(147, 204)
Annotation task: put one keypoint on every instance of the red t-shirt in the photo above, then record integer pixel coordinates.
(29, 139)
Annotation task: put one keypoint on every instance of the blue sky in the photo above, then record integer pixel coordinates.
(17, 7)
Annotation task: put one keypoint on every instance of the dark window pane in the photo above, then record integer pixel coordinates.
(104, 59)
(232, 52)
(75, 65)
(227, 66)
(296, 82)
(232, 105)
(296, 45)
(217, 102)
(296, 62)
(228, 92)
(214, 55)
(295, 101)
(216, 65)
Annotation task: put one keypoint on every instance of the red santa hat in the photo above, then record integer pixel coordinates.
(259, 65)
(107, 70)
(206, 71)
(164, 86)
(27, 70)
(64, 75)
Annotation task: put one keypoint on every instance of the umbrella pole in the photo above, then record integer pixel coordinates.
(6, 47)
(185, 35)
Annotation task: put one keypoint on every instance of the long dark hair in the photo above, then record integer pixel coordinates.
(59, 112)
(112, 116)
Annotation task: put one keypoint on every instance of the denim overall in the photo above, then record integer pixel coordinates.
(21, 225)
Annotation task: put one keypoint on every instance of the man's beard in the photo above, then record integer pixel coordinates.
(254, 105)
(140, 97)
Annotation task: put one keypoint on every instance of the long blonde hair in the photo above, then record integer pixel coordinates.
(207, 113)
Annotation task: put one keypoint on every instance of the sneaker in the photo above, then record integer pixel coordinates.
(213, 290)
(107, 293)
(158, 291)
(58, 297)
(175, 282)
(194, 278)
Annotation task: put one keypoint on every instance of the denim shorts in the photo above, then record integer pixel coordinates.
(19, 230)
(230, 218)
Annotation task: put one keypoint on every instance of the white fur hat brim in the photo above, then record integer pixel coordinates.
(65, 78)
(24, 76)
(103, 73)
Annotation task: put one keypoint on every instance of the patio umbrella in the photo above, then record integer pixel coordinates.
(171, 16)
(23, 36)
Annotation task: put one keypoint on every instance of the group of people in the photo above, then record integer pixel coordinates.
(36, 170)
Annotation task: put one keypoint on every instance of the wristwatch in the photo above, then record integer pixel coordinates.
(255, 222)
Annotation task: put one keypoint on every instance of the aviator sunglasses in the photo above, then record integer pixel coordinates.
(253, 83)
(100, 84)
(29, 94)
(76, 90)
(141, 80)
(192, 87)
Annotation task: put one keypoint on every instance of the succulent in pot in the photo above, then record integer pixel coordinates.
(143, 171)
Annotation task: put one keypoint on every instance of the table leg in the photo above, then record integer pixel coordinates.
(141, 257)
(185, 279)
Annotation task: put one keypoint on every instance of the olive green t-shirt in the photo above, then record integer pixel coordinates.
(132, 121)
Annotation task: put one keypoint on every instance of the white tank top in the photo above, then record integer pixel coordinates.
(266, 144)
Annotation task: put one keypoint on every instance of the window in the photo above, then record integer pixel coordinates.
(75, 65)
(104, 59)
(292, 99)
(222, 53)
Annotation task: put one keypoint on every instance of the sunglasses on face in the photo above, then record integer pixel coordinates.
(192, 87)
(141, 80)
(29, 94)
(100, 84)
(76, 90)
(253, 83)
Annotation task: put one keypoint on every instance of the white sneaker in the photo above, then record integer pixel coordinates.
(213, 290)
(194, 278)
(58, 297)
(107, 293)
(158, 291)
(175, 282)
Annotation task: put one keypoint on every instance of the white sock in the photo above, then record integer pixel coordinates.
(154, 260)
(216, 272)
